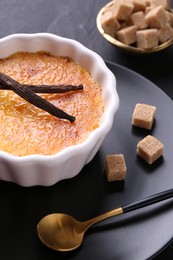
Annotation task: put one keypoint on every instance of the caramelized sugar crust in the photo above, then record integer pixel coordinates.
(24, 128)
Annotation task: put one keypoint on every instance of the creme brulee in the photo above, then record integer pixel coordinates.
(26, 129)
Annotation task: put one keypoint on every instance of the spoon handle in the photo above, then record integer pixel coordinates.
(130, 207)
(148, 201)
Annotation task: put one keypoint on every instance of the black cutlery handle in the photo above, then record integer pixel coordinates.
(148, 201)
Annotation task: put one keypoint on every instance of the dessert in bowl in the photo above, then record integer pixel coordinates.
(36, 147)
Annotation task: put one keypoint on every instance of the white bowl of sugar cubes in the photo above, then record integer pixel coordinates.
(139, 26)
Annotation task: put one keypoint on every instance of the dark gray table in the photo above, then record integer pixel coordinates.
(74, 19)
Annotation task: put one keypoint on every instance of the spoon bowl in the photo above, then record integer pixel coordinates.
(62, 232)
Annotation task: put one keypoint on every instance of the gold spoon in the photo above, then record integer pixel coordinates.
(64, 233)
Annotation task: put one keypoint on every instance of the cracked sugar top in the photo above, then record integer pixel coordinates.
(25, 129)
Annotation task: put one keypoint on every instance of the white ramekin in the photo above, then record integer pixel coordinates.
(47, 170)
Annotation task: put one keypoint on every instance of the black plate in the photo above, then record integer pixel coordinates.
(135, 236)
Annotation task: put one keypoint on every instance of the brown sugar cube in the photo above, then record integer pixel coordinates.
(147, 39)
(138, 19)
(156, 17)
(150, 149)
(139, 5)
(166, 4)
(115, 167)
(165, 33)
(170, 17)
(109, 23)
(127, 34)
(143, 116)
(122, 10)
